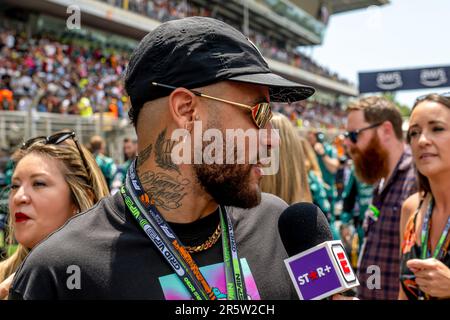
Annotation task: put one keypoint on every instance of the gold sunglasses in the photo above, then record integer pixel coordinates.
(261, 112)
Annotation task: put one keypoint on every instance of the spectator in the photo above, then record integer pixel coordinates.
(84, 107)
(97, 146)
(317, 186)
(6, 94)
(130, 152)
(425, 223)
(375, 142)
(328, 163)
(357, 197)
(54, 178)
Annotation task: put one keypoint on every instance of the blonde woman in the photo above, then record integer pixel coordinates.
(317, 186)
(291, 181)
(54, 178)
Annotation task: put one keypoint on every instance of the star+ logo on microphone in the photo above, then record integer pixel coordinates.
(314, 275)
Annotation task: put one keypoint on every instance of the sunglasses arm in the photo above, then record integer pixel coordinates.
(204, 95)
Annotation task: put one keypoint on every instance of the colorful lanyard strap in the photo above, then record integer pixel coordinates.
(439, 251)
(174, 252)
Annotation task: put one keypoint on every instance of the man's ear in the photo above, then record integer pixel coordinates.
(182, 106)
(387, 131)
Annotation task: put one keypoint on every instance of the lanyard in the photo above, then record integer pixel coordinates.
(165, 240)
(438, 251)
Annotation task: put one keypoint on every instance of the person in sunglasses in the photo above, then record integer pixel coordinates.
(374, 140)
(425, 223)
(195, 229)
(54, 178)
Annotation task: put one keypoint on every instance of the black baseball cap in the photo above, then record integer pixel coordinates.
(198, 51)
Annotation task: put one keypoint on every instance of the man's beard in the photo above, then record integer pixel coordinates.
(371, 164)
(228, 184)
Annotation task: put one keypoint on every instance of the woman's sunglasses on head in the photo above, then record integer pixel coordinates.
(56, 139)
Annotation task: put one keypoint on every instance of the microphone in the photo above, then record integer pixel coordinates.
(318, 266)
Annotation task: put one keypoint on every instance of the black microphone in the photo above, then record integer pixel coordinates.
(302, 226)
(318, 266)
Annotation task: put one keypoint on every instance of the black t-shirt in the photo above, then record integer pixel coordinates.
(104, 254)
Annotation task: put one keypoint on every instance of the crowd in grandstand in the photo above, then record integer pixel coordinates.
(59, 75)
(314, 114)
(63, 76)
(70, 78)
(164, 10)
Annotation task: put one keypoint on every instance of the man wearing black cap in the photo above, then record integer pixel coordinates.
(180, 230)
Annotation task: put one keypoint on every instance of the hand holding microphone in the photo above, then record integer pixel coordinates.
(318, 266)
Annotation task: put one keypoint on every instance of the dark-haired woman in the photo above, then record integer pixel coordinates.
(425, 223)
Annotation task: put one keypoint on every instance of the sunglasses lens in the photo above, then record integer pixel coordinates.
(262, 114)
(60, 137)
(352, 136)
(54, 139)
(31, 141)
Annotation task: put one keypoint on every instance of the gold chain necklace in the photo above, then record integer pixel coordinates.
(208, 243)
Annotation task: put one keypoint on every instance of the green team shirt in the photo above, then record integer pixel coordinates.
(107, 166)
(320, 199)
(362, 200)
(318, 192)
(328, 177)
(364, 193)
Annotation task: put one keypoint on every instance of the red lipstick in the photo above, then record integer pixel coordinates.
(21, 217)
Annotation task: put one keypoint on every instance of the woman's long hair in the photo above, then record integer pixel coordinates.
(311, 163)
(290, 183)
